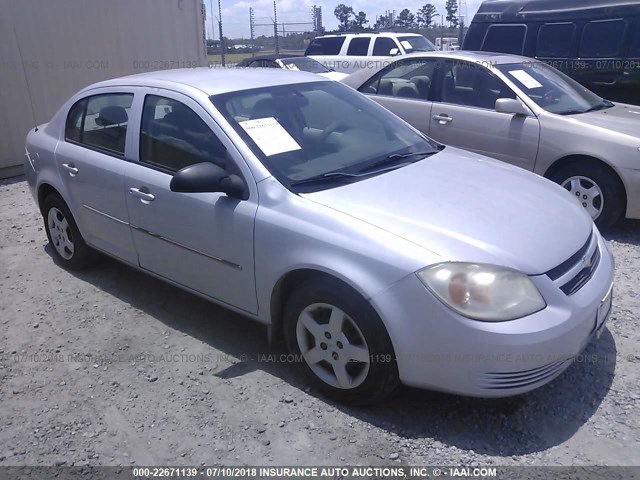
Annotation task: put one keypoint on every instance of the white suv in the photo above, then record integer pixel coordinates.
(353, 51)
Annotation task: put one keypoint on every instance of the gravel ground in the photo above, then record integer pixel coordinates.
(84, 379)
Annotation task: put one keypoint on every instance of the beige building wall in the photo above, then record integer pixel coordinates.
(50, 49)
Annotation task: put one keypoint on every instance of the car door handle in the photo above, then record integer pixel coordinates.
(70, 167)
(443, 119)
(147, 197)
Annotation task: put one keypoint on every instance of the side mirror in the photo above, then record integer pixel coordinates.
(394, 52)
(512, 106)
(208, 177)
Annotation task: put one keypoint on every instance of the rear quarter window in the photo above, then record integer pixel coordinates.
(505, 39)
(325, 46)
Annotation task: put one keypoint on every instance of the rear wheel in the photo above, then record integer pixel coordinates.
(68, 245)
(598, 190)
(345, 348)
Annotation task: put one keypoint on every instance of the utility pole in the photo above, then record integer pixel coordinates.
(275, 27)
(252, 21)
(222, 45)
(462, 15)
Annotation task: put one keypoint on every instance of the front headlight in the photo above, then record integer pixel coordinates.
(483, 292)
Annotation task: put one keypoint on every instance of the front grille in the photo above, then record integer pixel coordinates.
(572, 274)
(568, 264)
(584, 275)
(525, 378)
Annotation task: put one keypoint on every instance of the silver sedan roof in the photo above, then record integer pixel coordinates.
(473, 56)
(212, 81)
(487, 59)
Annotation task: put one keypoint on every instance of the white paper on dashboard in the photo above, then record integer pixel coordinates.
(406, 45)
(525, 79)
(270, 136)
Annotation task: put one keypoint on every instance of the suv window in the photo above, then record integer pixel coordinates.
(325, 46)
(505, 39)
(383, 46)
(100, 121)
(634, 49)
(555, 40)
(359, 46)
(404, 78)
(472, 85)
(603, 38)
(172, 136)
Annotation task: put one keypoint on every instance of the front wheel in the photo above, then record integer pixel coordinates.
(598, 190)
(68, 245)
(344, 347)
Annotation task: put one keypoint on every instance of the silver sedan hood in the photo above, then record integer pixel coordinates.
(621, 118)
(466, 207)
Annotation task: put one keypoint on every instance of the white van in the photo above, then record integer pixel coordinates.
(348, 52)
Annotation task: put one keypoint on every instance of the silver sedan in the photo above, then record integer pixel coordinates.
(523, 112)
(379, 255)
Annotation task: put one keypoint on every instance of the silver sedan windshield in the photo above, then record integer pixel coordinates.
(551, 89)
(320, 129)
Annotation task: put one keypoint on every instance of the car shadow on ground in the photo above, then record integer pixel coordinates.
(544, 418)
(625, 231)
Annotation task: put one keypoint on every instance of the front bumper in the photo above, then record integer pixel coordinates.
(438, 349)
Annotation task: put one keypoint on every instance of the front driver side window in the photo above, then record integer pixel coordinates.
(172, 136)
(472, 85)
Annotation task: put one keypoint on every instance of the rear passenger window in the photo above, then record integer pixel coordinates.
(359, 46)
(100, 122)
(383, 46)
(405, 78)
(555, 40)
(472, 85)
(325, 46)
(602, 39)
(505, 39)
(173, 136)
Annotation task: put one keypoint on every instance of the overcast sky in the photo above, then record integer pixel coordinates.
(235, 14)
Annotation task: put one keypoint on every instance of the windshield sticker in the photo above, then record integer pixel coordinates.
(524, 78)
(406, 45)
(270, 136)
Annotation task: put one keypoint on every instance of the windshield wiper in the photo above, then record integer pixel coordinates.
(602, 106)
(396, 156)
(323, 178)
(337, 175)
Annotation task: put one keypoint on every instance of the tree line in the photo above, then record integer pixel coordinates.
(425, 17)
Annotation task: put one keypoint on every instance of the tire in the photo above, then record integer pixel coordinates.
(69, 247)
(355, 361)
(581, 179)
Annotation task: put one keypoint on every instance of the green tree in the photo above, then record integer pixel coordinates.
(343, 14)
(384, 21)
(406, 19)
(361, 20)
(452, 10)
(426, 15)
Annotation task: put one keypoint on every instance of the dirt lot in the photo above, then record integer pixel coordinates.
(111, 366)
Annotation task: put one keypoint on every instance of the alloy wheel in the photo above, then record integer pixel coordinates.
(587, 192)
(60, 233)
(333, 346)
